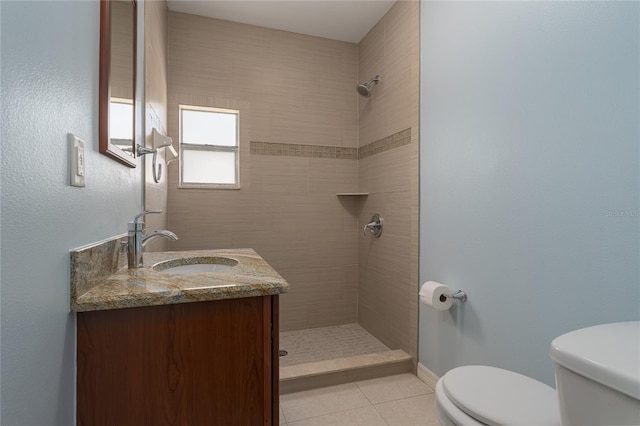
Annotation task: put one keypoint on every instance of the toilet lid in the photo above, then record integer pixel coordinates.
(499, 397)
(613, 361)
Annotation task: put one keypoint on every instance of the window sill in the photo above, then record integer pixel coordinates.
(206, 186)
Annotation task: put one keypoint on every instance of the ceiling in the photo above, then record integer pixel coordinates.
(345, 20)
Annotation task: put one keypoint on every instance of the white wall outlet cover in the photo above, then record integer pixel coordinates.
(77, 160)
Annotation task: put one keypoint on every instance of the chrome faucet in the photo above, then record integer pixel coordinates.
(136, 239)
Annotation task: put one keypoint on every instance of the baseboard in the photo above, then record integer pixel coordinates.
(427, 376)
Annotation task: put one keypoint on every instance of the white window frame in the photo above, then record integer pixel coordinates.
(211, 148)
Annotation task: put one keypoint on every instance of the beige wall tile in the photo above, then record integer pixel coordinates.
(388, 267)
(289, 88)
(391, 50)
(155, 90)
(393, 207)
(156, 198)
(371, 52)
(298, 89)
(121, 84)
(295, 318)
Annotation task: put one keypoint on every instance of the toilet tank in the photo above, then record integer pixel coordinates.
(598, 374)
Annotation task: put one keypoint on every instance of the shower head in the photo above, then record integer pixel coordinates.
(365, 89)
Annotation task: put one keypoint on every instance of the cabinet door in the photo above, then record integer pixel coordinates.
(201, 363)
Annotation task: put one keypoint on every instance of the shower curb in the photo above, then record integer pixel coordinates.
(296, 378)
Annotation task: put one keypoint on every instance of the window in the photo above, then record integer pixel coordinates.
(209, 148)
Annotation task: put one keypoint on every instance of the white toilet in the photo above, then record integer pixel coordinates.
(597, 376)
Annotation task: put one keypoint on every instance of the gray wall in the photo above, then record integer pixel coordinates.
(530, 176)
(49, 54)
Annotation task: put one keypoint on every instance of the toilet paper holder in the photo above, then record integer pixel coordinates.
(460, 295)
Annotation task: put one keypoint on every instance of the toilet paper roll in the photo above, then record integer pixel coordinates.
(430, 295)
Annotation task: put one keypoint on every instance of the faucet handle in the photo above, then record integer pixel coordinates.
(146, 212)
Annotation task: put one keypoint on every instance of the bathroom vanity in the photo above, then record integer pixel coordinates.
(192, 347)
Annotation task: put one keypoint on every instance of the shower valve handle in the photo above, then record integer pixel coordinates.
(375, 226)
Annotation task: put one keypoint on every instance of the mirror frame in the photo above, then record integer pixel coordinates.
(106, 147)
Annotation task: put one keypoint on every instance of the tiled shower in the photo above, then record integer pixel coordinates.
(305, 137)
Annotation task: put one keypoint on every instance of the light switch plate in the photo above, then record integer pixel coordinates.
(76, 156)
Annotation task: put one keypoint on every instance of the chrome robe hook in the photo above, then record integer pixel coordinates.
(142, 150)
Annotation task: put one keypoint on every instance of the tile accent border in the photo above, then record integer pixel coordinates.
(395, 140)
(299, 150)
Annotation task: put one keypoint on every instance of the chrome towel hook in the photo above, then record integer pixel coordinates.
(159, 141)
(143, 151)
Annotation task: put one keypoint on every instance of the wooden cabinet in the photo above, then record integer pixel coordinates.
(201, 363)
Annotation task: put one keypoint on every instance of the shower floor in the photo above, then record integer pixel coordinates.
(325, 343)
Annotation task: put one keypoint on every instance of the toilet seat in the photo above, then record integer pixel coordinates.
(493, 396)
(450, 415)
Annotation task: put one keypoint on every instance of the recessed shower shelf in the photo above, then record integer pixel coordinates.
(352, 194)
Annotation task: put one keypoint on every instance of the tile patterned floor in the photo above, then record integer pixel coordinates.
(401, 400)
(320, 344)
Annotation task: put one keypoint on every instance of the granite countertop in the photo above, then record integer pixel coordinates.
(126, 288)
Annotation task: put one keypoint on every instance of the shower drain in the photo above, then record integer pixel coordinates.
(283, 353)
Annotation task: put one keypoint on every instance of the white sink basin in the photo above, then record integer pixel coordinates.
(198, 265)
(196, 269)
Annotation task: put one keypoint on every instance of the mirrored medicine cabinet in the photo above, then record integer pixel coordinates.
(118, 80)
